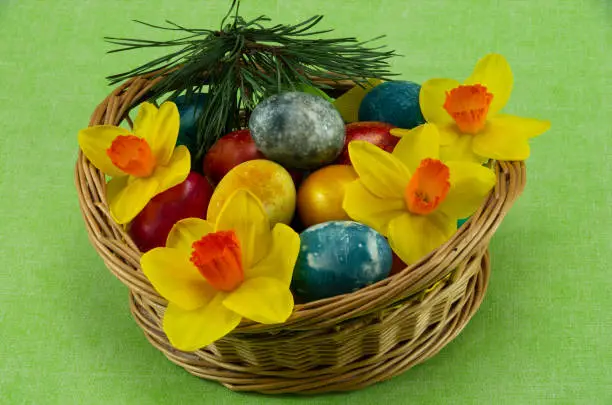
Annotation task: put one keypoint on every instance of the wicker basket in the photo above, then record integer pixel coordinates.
(341, 343)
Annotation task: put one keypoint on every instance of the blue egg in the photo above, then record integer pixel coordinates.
(189, 112)
(339, 257)
(460, 222)
(396, 103)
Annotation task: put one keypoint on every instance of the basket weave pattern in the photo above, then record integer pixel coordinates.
(340, 343)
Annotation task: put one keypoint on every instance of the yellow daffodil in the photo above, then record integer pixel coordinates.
(410, 196)
(142, 163)
(213, 275)
(468, 115)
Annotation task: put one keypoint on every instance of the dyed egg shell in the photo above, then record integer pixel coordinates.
(228, 152)
(189, 199)
(396, 103)
(398, 265)
(460, 222)
(190, 110)
(377, 133)
(298, 130)
(339, 257)
(269, 181)
(319, 198)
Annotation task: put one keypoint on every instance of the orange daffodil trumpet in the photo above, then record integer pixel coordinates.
(410, 195)
(213, 275)
(469, 119)
(142, 163)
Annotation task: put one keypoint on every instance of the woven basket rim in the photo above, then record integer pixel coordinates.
(122, 256)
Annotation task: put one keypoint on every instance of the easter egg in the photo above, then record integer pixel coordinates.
(462, 221)
(373, 132)
(396, 103)
(339, 257)
(319, 198)
(190, 109)
(228, 152)
(268, 180)
(297, 130)
(150, 228)
(397, 265)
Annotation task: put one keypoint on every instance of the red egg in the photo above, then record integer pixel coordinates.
(397, 265)
(228, 152)
(369, 131)
(189, 199)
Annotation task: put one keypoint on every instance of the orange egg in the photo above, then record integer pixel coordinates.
(320, 196)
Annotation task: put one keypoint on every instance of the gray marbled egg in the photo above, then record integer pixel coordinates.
(297, 130)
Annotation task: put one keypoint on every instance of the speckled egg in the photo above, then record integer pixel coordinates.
(298, 130)
(339, 257)
(396, 103)
(268, 180)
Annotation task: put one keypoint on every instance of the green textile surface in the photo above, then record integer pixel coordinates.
(544, 331)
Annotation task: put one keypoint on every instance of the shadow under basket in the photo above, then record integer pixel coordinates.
(337, 344)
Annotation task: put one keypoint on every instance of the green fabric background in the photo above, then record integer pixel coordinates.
(543, 333)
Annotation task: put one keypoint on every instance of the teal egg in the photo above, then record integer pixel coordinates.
(460, 222)
(339, 257)
(190, 110)
(395, 103)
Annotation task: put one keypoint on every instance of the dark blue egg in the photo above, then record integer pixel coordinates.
(339, 257)
(396, 103)
(190, 110)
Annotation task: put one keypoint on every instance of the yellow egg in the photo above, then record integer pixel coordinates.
(320, 196)
(268, 180)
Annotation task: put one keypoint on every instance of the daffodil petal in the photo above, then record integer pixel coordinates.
(449, 133)
(414, 236)
(114, 187)
(520, 126)
(470, 184)
(432, 97)
(502, 140)
(421, 143)
(145, 121)
(94, 141)
(262, 299)
(163, 139)
(281, 258)
(493, 72)
(125, 203)
(460, 150)
(192, 330)
(186, 231)
(244, 214)
(176, 171)
(375, 212)
(381, 173)
(176, 278)
(348, 103)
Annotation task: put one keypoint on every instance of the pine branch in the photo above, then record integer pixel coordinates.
(245, 61)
